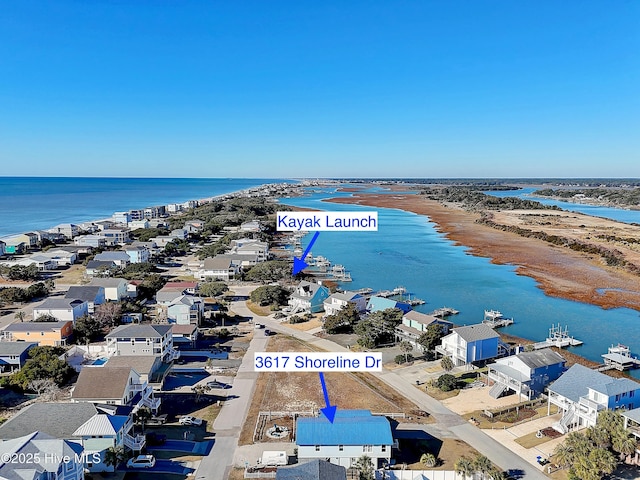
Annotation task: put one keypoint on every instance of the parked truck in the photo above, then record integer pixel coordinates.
(274, 458)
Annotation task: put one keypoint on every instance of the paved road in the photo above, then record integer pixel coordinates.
(445, 418)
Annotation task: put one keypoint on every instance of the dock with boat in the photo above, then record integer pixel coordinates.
(400, 294)
(495, 319)
(558, 337)
(444, 312)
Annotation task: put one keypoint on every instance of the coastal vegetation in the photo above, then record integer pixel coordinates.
(269, 271)
(343, 321)
(378, 328)
(615, 197)
(10, 295)
(20, 272)
(43, 363)
(270, 295)
(472, 198)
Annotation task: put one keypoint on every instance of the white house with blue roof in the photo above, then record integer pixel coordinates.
(581, 393)
(352, 434)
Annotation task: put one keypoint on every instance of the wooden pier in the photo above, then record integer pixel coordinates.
(558, 337)
(495, 319)
(620, 358)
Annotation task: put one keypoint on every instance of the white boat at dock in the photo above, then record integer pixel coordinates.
(444, 312)
(338, 272)
(620, 358)
(558, 337)
(495, 319)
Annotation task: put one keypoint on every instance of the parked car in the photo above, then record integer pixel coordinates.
(156, 439)
(142, 461)
(158, 420)
(259, 325)
(216, 384)
(189, 420)
(268, 332)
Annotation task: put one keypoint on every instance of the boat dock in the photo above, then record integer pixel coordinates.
(444, 312)
(495, 319)
(558, 337)
(620, 358)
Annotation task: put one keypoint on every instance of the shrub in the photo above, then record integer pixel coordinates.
(403, 358)
(296, 319)
(447, 382)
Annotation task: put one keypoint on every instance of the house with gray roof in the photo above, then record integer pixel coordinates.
(115, 289)
(414, 324)
(92, 294)
(13, 355)
(313, 470)
(527, 373)
(145, 365)
(581, 393)
(142, 339)
(308, 297)
(51, 458)
(473, 343)
(185, 310)
(220, 267)
(337, 301)
(121, 259)
(64, 309)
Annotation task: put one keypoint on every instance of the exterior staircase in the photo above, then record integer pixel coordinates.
(567, 419)
(497, 390)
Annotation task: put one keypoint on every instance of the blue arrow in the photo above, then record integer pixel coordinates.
(330, 410)
(298, 263)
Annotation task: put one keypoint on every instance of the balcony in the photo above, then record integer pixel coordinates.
(152, 402)
(135, 443)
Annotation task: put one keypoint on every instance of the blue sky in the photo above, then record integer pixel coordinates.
(320, 89)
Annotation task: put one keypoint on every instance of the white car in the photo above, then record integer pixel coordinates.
(189, 420)
(142, 461)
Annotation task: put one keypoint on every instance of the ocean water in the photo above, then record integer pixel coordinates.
(408, 251)
(33, 203)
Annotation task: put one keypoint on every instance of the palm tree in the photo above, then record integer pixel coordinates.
(464, 466)
(142, 416)
(114, 456)
(365, 468)
(563, 455)
(20, 315)
(603, 461)
(624, 444)
(483, 465)
(429, 460)
(599, 436)
(447, 364)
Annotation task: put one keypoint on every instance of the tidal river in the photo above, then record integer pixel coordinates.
(407, 251)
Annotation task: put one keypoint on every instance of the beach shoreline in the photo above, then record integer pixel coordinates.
(559, 272)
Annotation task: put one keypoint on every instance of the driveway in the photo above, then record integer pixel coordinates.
(165, 466)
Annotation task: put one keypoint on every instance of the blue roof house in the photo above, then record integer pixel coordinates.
(377, 304)
(581, 393)
(352, 434)
(469, 344)
(308, 297)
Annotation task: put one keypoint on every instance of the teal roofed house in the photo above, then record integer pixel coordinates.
(308, 297)
(352, 434)
(377, 304)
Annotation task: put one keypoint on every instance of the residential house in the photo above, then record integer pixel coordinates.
(251, 226)
(42, 262)
(581, 393)
(155, 211)
(29, 240)
(186, 310)
(137, 253)
(53, 334)
(352, 434)
(632, 423)
(121, 217)
(13, 355)
(114, 386)
(308, 297)
(313, 470)
(194, 226)
(378, 304)
(62, 309)
(184, 334)
(116, 236)
(249, 246)
(414, 324)
(103, 225)
(115, 289)
(337, 301)
(186, 288)
(138, 224)
(79, 423)
(137, 214)
(13, 246)
(149, 367)
(179, 234)
(121, 259)
(52, 458)
(44, 235)
(163, 241)
(141, 340)
(69, 230)
(527, 373)
(473, 343)
(220, 267)
(62, 258)
(100, 267)
(92, 294)
(93, 241)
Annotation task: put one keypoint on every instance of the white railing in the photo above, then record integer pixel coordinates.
(152, 403)
(134, 443)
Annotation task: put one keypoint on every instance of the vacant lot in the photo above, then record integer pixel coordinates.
(301, 392)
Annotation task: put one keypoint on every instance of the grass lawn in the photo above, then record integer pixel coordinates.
(258, 310)
(496, 422)
(530, 440)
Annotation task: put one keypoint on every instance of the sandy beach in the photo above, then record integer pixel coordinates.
(559, 271)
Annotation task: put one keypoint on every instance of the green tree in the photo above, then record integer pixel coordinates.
(87, 329)
(114, 456)
(213, 289)
(429, 460)
(42, 364)
(447, 364)
(406, 348)
(447, 382)
(343, 320)
(45, 317)
(364, 464)
(199, 390)
(270, 294)
(431, 337)
(483, 465)
(20, 315)
(464, 466)
(142, 416)
(269, 271)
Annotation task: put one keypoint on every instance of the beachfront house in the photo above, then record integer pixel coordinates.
(13, 355)
(27, 241)
(378, 304)
(93, 241)
(114, 386)
(141, 339)
(581, 393)
(115, 289)
(69, 230)
(115, 236)
(352, 434)
(337, 301)
(53, 334)
(52, 458)
(308, 297)
(121, 217)
(414, 324)
(62, 308)
(2, 248)
(470, 344)
(527, 373)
